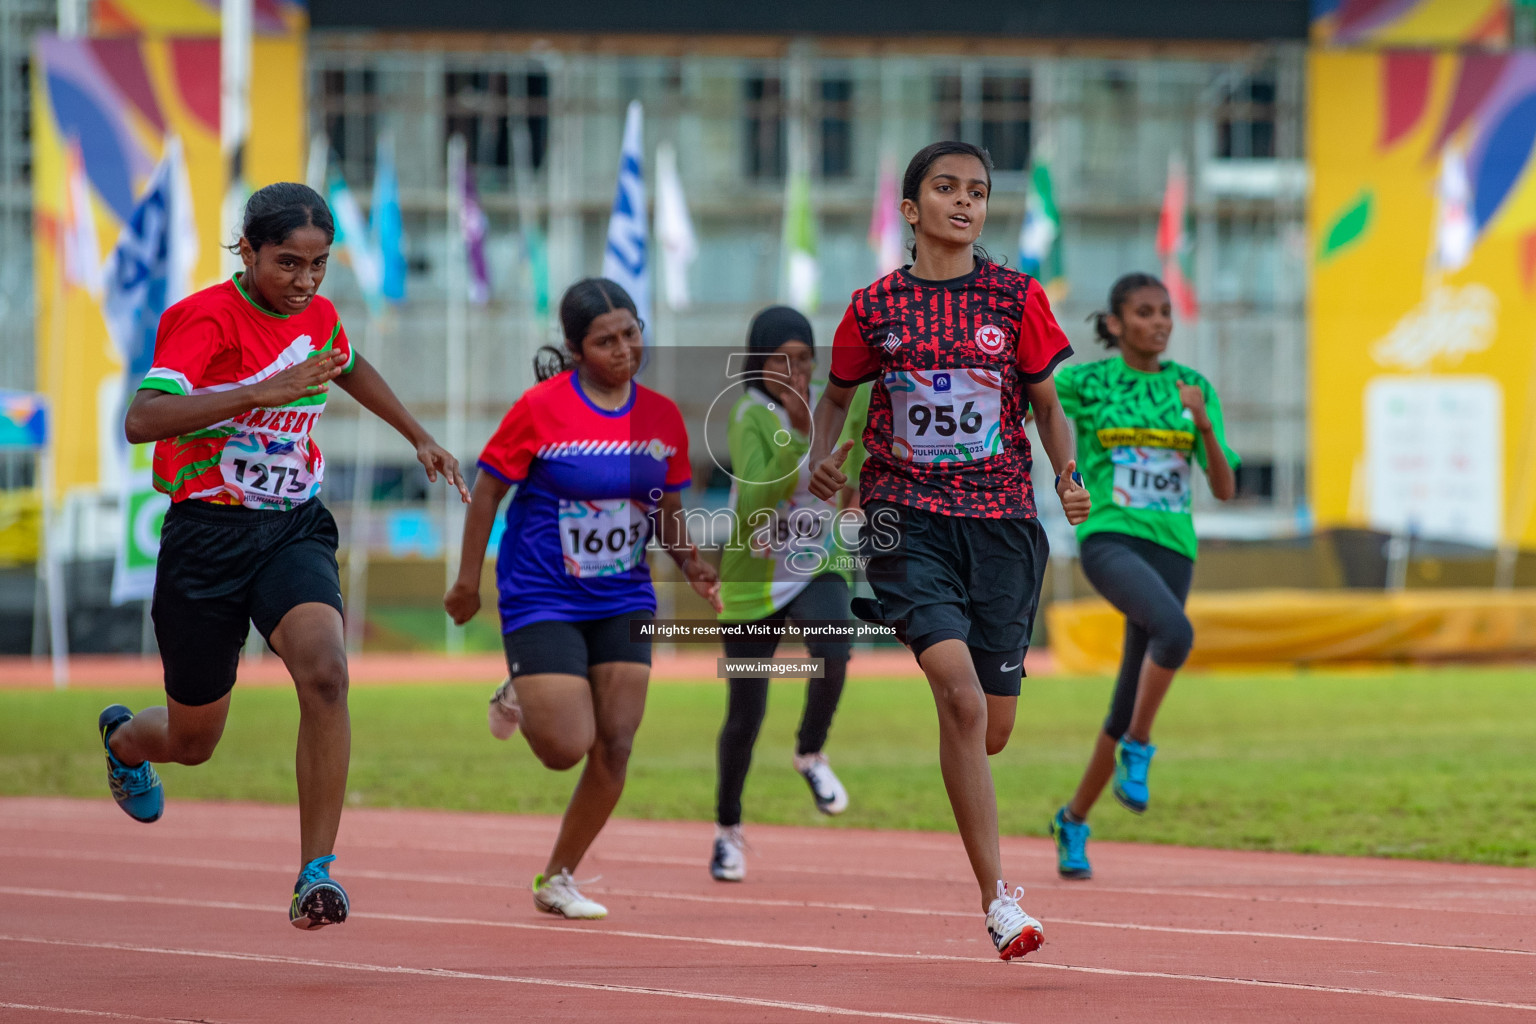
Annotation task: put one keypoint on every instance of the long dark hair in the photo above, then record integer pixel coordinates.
(1119, 294)
(923, 161)
(583, 302)
(278, 210)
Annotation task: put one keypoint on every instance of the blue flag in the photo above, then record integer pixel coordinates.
(625, 259)
(387, 228)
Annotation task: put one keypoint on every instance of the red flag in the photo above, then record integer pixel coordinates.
(1173, 241)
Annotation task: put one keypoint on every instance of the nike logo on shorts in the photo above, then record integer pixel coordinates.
(1010, 668)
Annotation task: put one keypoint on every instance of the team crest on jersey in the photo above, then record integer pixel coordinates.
(991, 339)
(891, 342)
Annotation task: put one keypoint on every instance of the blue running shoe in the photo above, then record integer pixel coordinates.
(317, 901)
(137, 790)
(1132, 760)
(1071, 846)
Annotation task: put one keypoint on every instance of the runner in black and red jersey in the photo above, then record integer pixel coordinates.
(239, 380)
(959, 348)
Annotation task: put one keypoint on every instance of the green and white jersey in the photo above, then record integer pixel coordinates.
(1135, 447)
(782, 536)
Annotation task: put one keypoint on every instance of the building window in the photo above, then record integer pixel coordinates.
(836, 127)
(347, 102)
(1245, 124)
(485, 107)
(991, 111)
(765, 131)
(1005, 121)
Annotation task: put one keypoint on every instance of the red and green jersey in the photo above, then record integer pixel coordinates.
(217, 340)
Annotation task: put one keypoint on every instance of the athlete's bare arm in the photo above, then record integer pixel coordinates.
(463, 599)
(373, 393)
(155, 415)
(827, 476)
(1056, 438)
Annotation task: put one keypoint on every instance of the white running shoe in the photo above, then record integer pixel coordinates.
(729, 862)
(830, 796)
(1013, 932)
(504, 713)
(559, 895)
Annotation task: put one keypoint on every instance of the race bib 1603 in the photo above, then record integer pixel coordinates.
(946, 415)
(603, 538)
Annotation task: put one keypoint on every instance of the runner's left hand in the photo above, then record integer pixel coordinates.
(703, 578)
(437, 460)
(1194, 400)
(1075, 501)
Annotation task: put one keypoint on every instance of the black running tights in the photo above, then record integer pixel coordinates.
(825, 598)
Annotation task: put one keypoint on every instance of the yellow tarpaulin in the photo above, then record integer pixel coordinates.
(1265, 627)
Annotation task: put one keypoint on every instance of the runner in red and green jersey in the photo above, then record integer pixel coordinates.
(240, 375)
(959, 348)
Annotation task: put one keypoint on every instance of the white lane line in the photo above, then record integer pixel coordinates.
(787, 904)
(72, 1011)
(471, 882)
(601, 932)
(434, 972)
(442, 972)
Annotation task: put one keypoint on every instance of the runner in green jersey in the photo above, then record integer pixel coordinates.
(1143, 424)
(788, 558)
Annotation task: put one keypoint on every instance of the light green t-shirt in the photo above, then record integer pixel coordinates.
(1135, 447)
(782, 536)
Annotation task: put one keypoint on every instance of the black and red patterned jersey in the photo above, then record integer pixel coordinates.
(950, 360)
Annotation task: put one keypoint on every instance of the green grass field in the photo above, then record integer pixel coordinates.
(1434, 764)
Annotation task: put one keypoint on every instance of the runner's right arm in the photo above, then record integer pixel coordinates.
(155, 415)
(463, 600)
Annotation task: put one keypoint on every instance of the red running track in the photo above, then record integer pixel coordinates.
(185, 920)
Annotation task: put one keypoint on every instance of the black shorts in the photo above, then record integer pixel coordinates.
(223, 568)
(571, 648)
(960, 578)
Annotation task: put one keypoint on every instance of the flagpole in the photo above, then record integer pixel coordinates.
(455, 352)
(52, 569)
(362, 502)
(234, 116)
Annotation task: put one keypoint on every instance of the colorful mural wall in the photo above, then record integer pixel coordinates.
(1423, 320)
(149, 70)
(1385, 23)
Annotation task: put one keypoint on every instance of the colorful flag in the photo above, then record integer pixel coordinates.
(1173, 241)
(82, 252)
(149, 269)
(386, 228)
(674, 228)
(352, 241)
(885, 221)
(799, 284)
(474, 226)
(536, 253)
(624, 258)
(1455, 234)
(1040, 234)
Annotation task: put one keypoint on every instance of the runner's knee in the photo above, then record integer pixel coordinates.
(1170, 644)
(323, 682)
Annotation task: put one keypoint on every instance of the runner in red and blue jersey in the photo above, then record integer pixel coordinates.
(240, 377)
(598, 462)
(959, 349)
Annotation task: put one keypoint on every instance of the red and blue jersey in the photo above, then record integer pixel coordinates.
(587, 481)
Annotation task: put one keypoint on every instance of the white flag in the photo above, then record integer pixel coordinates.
(625, 258)
(1454, 234)
(674, 228)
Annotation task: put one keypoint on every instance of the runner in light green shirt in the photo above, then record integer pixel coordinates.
(788, 559)
(1143, 424)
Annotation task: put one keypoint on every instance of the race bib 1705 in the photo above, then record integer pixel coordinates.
(946, 415)
(603, 538)
(1151, 478)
